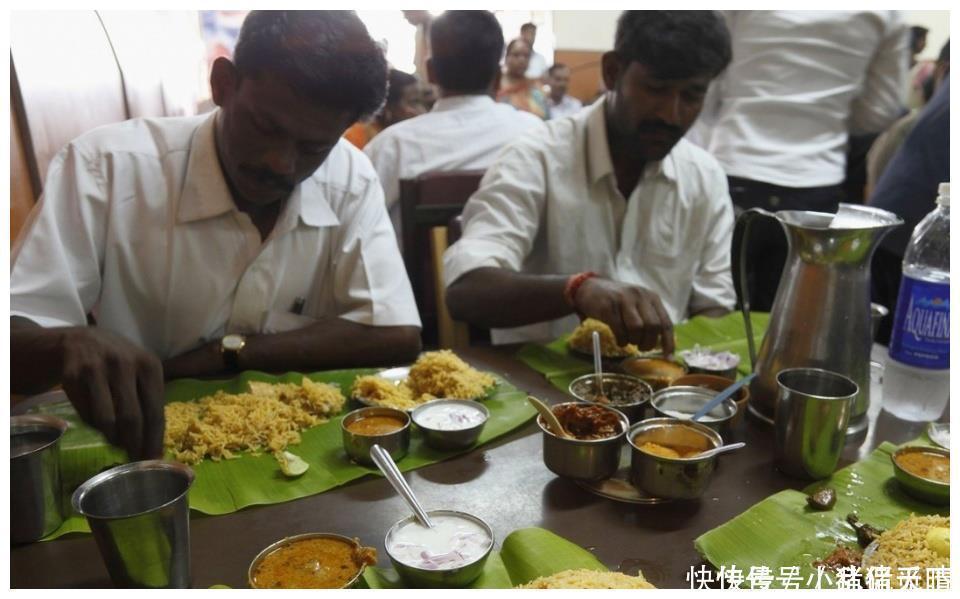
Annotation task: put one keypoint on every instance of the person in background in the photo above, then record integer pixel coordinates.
(538, 64)
(560, 103)
(889, 142)
(918, 42)
(515, 89)
(422, 20)
(466, 129)
(610, 213)
(251, 238)
(779, 119)
(920, 70)
(403, 102)
(908, 188)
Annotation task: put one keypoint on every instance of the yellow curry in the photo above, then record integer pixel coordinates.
(929, 465)
(312, 563)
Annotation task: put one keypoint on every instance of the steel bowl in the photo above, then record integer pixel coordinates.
(925, 489)
(448, 578)
(672, 478)
(450, 439)
(674, 400)
(358, 446)
(583, 459)
(657, 372)
(718, 383)
(310, 535)
(585, 387)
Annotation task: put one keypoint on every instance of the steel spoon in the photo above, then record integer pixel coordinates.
(382, 459)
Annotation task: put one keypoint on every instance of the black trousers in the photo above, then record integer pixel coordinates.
(767, 246)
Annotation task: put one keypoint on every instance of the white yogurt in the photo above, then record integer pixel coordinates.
(449, 417)
(451, 543)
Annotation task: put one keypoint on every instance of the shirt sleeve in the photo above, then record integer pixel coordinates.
(382, 152)
(55, 266)
(713, 282)
(370, 281)
(880, 102)
(501, 220)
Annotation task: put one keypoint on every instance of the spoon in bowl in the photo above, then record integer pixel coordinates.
(722, 449)
(720, 397)
(597, 362)
(382, 459)
(549, 417)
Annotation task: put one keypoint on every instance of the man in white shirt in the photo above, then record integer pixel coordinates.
(466, 129)
(607, 214)
(538, 64)
(252, 238)
(779, 118)
(561, 104)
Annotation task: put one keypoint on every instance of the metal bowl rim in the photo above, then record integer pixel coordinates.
(939, 486)
(624, 424)
(451, 400)
(706, 431)
(299, 537)
(730, 403)
(614, 376)
(457, 513)
(355, 415)
(145, 465)
(38, 422)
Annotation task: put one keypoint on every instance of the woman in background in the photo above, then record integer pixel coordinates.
(515, 88)
(403, 102)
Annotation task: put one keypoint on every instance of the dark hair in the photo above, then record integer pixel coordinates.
(399, 81)
(515, 41)
(917, 32)
(466, 46)
(944, 56)
(527, 26)
(556, 67)
(674, 44)
(326, 56)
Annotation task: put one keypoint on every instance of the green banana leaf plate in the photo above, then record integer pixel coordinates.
(560, 366)
(230, 485)
(781, 531)
(525, 554)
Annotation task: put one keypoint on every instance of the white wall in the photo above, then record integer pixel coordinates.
(938, 22)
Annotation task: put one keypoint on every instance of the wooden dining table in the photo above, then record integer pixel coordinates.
(504, 482)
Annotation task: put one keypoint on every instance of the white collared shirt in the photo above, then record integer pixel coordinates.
(550, 205)
(137, 226)
(537, 66)
(459, 133)
(799, 82)
(565, 107)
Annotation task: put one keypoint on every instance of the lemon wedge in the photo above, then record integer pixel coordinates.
(938, 539)
(291, 465)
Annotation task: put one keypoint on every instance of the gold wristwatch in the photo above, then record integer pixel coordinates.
(230, 348)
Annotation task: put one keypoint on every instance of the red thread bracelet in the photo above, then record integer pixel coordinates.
(573, 285)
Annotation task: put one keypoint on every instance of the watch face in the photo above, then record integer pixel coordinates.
(233, 342)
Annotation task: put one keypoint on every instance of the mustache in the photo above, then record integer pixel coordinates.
(269, 179)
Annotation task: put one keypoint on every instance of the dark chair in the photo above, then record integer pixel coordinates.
(428, 201)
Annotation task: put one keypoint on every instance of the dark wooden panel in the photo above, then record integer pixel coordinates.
(586, 79)
(22, 194)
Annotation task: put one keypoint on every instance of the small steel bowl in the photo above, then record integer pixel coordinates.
(584, 387)
(310, 535)
(451, 439)
(718, 383)
(358, 446)
(672, 478)
(448, 578)
(688, 400)
(583, 459)
(657, 372)
(925, 489)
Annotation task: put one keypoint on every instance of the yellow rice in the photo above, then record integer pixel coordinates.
(435, 374)
(267, 418)
(905, 546)
(588, 579)
(581, 340)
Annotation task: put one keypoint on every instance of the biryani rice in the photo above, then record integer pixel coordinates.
(581, 340)
(905, 546)
(267, 418)
(588, 579)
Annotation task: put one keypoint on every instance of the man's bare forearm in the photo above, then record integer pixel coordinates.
(331, 343)
(36, 356)
(495, 297)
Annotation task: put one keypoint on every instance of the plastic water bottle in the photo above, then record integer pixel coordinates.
(917, 375)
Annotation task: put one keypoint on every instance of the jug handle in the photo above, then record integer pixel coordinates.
(747, 217)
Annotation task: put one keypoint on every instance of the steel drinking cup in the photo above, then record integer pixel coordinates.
(813, 411)
(35, 504)
(139, 516)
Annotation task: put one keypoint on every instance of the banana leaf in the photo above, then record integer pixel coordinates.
(560, 366)
(230, 485)
(783, 531)
(526, 554)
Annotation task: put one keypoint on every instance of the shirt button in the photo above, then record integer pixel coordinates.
(774, 201)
